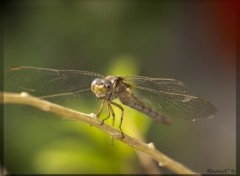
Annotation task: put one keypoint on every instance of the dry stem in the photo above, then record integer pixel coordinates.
(67, 113)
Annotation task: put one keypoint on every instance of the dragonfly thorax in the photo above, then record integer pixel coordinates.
(102, 88)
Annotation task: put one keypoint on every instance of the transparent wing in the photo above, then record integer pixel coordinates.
(160, 84)
(170, 97)
(43, 82)
(69, 86)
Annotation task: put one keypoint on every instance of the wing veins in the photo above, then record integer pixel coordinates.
(156, 92)
(64, 94)
(209, 111)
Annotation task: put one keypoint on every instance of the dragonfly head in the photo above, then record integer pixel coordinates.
(101, 87)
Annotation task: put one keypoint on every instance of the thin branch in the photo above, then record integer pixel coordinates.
(26, 99)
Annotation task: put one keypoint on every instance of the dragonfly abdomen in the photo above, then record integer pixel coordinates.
(133, 102)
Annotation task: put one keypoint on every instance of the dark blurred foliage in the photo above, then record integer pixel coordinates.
(193, 41)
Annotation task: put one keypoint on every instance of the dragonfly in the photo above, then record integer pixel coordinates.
(159, 98)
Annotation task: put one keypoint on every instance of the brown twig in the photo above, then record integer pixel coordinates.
(26, 99)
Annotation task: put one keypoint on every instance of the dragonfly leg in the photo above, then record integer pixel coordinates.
(109, 109)
(113, 117)
(121, 119)
(100, 108)
(112, 112)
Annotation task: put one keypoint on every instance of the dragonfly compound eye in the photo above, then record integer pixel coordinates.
(101, 87)
(107, 84)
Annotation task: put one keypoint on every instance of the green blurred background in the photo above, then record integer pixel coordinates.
(190, 41)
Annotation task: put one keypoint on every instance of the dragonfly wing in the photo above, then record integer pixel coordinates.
(159, 84)
(70, 88)
(170, 97)
(44, 82)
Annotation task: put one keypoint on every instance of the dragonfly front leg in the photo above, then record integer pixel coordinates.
(100, 108)
(121, 119)
(108, 111)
